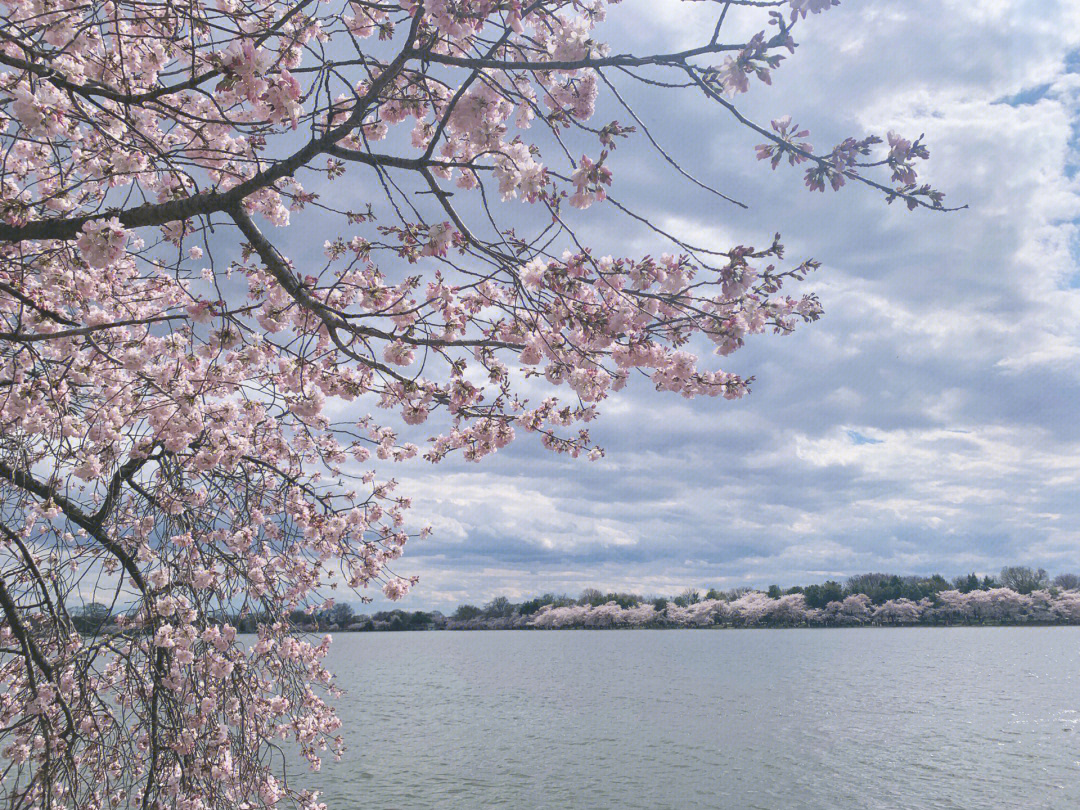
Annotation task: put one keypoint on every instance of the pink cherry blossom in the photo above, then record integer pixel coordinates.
(804, 7)
(102, 242)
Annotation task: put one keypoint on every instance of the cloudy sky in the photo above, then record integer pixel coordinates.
(929, 422)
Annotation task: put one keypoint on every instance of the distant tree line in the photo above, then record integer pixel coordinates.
(1017, 595)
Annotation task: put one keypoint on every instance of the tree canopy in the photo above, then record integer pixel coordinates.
(187, 385)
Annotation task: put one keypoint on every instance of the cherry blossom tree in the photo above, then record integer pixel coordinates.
(753, 608)
(646, 614)
(791, 609)
(1066, 607)
(855, 608)
(553, 617)
(897, 611)
(609, 614)
(187, 387)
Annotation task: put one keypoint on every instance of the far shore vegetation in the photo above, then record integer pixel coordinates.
(1018, 595)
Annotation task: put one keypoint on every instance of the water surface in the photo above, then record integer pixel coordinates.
(921, 718)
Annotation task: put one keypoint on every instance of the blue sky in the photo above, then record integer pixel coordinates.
(927, 423)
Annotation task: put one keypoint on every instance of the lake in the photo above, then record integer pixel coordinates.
(927, 719)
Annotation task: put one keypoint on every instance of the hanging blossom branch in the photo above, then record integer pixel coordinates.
(185, 408)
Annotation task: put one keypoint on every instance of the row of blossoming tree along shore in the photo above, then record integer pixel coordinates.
(1019, 595)
(758, 609)
(860, 602)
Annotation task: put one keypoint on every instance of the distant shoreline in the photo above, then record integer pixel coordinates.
(827, 606)
(869, 600)
(834, 626)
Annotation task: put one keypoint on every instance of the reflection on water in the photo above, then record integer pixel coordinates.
(927, 719)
